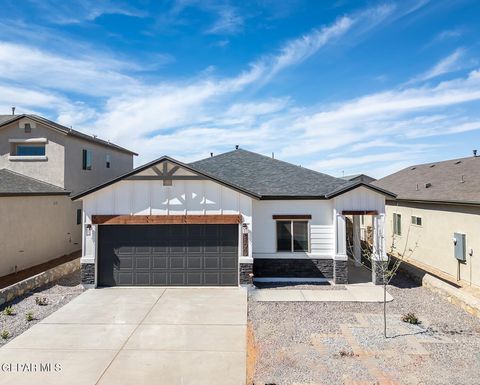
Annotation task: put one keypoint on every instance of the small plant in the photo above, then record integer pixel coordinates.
(41, 301)
(411, 318)
(346, 353)
(4, 334)
(9, 310)
(29, 316)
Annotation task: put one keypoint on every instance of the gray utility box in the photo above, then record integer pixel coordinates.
(460, 247)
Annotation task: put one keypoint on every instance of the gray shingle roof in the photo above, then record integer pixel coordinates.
(258, 176)
(5, 119)
(268, 177)
(12, 184)
(456, 180)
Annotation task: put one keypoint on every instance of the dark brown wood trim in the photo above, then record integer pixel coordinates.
(165, 219)
(305, 216)
(359, 212)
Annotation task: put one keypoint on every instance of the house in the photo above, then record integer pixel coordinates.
(41, 164)
(219, 220)
(437, 216)
(359, 177)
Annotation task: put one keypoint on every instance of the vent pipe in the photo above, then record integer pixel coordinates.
(211, 154)
(236, 147)
(273, 155)
(475, 153)
(13, 110)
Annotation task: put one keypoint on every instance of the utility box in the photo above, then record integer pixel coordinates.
(460, 247)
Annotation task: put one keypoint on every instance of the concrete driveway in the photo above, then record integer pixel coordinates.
(118, 336)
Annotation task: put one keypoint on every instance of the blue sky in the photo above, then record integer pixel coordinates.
(338, 86)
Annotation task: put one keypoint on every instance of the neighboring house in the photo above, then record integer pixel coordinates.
(41, 163)
(359, 178)
(437, 214)
(218, 220)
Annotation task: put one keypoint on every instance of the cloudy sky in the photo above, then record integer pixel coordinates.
(339, 86)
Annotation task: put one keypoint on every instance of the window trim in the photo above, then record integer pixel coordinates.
(292, 248)
(397, 230)
(79, 216)
(416, 221)
(108, 161)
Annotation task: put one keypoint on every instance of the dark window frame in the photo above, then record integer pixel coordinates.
(417, 221)
(292, 233)
(79, 216)
(108, 161)
(27, 128)
(87, 159)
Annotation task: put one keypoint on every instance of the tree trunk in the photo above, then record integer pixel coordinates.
(384, 309)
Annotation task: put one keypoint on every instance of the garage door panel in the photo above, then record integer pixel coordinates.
(176, 255)
(160, 278)
(177, 278)
(142, 262)
(160, 262)
(228, 262)
(212, 278)
(194, 262)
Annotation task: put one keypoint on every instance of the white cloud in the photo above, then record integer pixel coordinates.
(448, 64)
(229, 21)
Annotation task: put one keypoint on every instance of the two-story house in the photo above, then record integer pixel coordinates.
(41, 164)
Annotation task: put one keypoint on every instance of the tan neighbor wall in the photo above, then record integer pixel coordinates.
(434, 239)
(36, 229)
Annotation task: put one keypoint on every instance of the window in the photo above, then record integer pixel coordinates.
(397, 224)
(86, 159)
(292, 236)
(26, 149)
(107, 161)
(28, 128)
(416, 220)
(79, 216)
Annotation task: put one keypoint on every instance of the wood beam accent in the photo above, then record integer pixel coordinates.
(359, 212)
(165, 219)
(305, 216)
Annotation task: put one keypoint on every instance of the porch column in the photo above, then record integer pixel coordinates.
(340, 263)
(379, 255)
(357, 246)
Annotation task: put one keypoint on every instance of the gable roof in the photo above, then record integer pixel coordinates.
(258, 176)
(7, 119)
(268, 177)
(361, 177)
(450, 181)
(14, 184)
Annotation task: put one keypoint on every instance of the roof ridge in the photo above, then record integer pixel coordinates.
(271, 159)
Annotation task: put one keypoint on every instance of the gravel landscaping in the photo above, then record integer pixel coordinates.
(342, 342)
(39, 303)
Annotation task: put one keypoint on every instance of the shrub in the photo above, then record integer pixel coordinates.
(41, 301)
(411, 318)
(4, 334)
(9, 310)
(346, 353)
(29, 316)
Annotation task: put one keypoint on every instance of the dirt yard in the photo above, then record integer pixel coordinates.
(342, 342)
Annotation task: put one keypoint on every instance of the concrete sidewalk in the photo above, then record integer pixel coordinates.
(133, 336)
(352, 293)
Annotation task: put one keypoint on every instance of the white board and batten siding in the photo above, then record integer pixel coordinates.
(184, 197)
(360, 199)
(321, 230)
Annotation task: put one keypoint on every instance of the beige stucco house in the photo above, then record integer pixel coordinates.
(436, 217)
(41, 164)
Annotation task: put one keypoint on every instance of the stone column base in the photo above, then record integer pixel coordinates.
(340, 271)
(246, 273)
(87, 271)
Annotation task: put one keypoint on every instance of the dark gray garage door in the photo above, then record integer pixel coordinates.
(168, 255)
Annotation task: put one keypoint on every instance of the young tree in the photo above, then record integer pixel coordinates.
(385, 267)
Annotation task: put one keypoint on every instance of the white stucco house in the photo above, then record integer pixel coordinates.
(221, 221)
